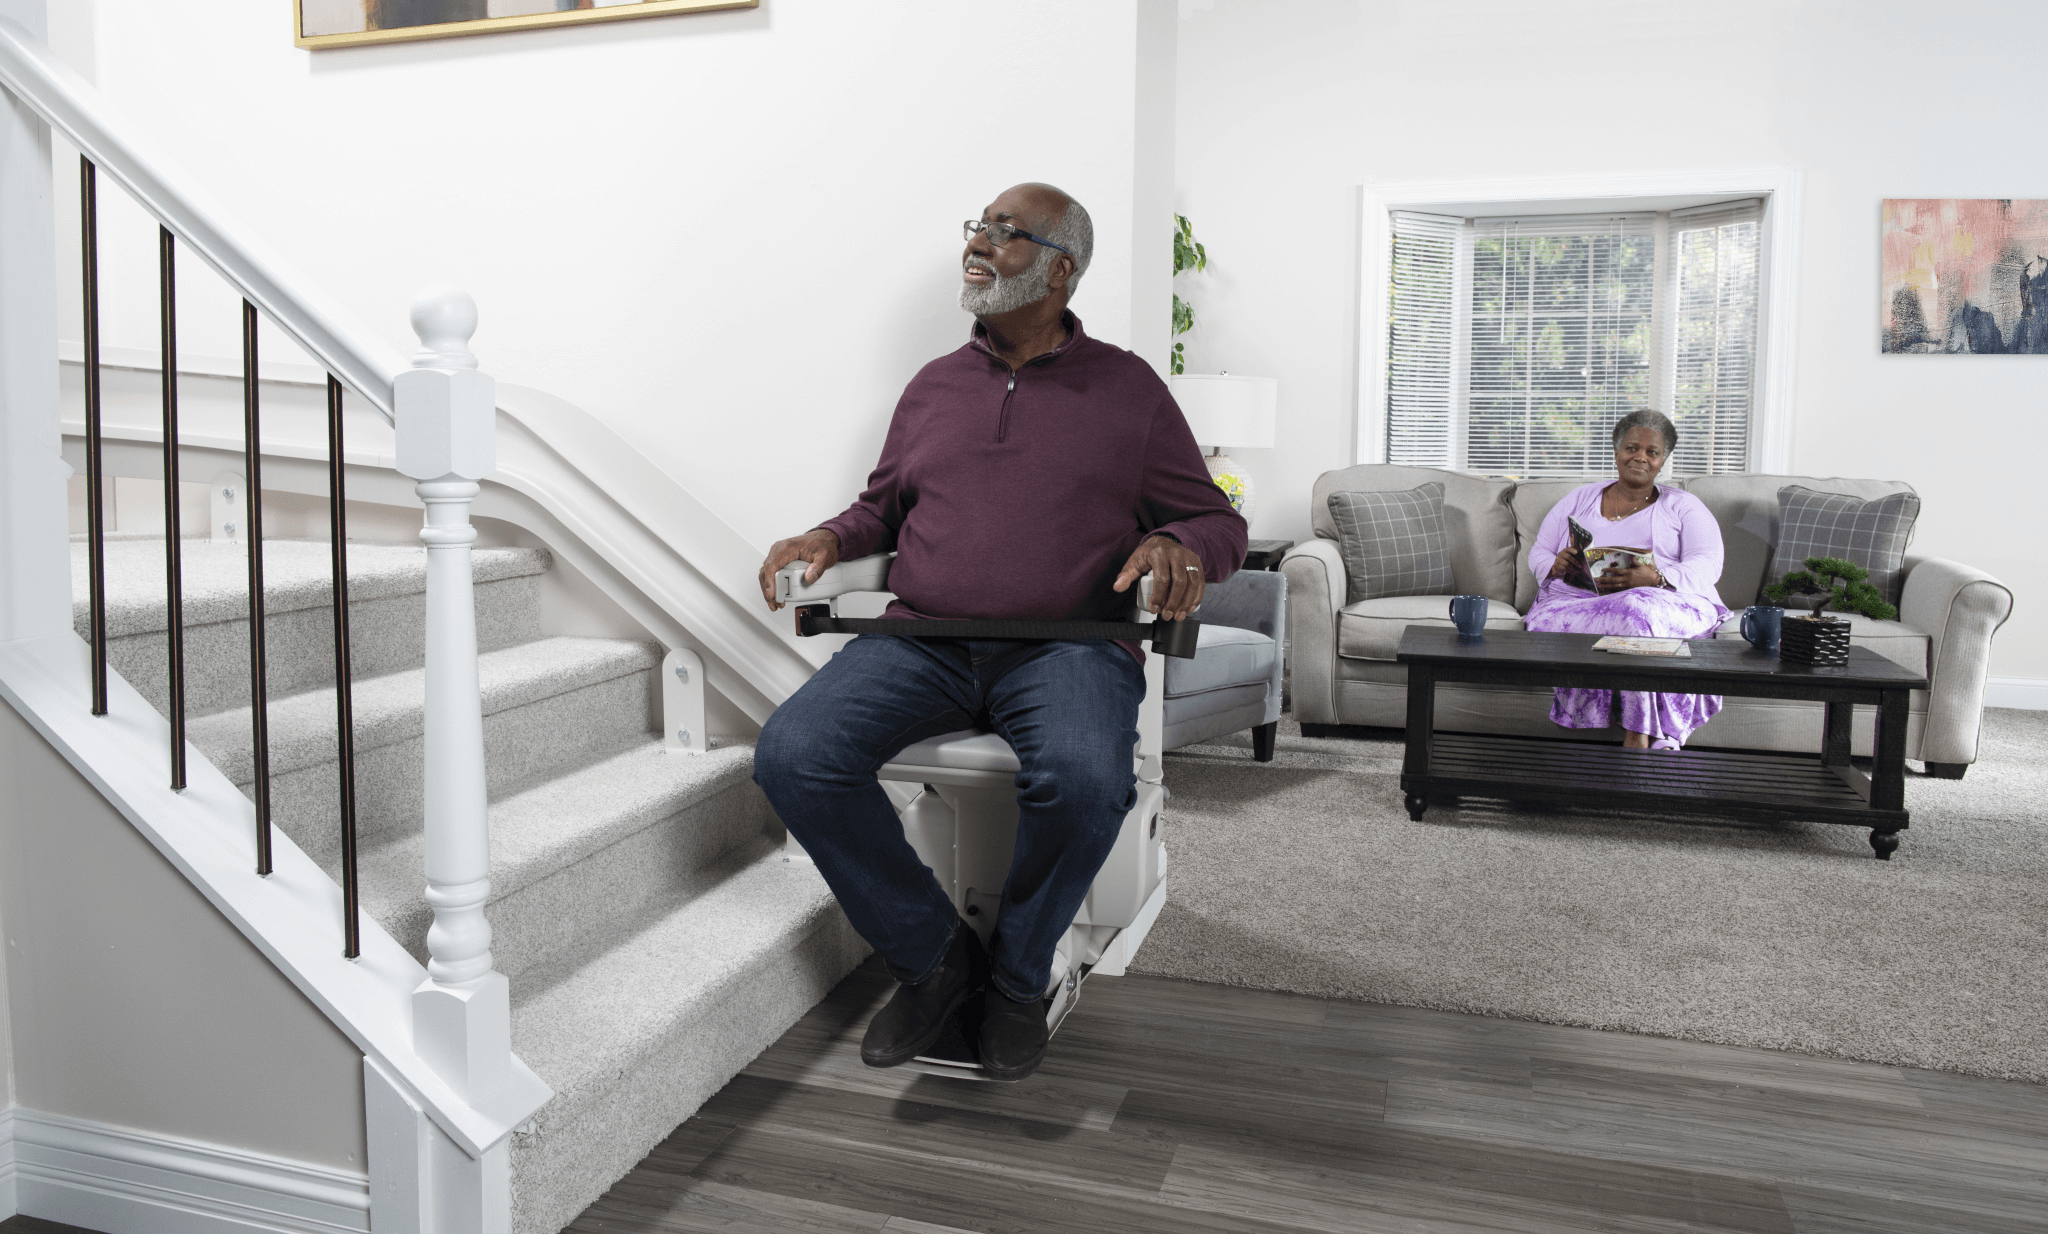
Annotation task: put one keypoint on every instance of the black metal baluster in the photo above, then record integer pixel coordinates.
(173, 557)
(259, 689)
(95, 514)
(344, 712)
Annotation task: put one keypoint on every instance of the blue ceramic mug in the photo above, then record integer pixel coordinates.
(1762, 624)
(1468, 613)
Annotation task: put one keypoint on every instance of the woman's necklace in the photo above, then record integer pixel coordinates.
(1637, 504)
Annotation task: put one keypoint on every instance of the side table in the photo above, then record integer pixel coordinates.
(1265, 554)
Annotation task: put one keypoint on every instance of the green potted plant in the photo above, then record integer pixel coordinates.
(1830, 582)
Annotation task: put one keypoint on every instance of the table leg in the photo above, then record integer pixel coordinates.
(1421, 737)
(1888, 769)
(1834, 740)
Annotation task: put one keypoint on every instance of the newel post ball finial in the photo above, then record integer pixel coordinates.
(444, 317)
(445, 407)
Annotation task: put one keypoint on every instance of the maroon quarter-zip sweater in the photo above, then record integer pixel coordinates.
(1022, 494)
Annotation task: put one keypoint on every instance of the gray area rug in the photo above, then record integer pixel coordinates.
(1306, 875)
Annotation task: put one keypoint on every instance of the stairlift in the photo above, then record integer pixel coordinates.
(957, 796)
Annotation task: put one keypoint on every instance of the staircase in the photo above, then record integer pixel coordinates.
(655, 940)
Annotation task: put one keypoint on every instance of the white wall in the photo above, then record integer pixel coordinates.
(134, 1002)
(1285, 110)
(735, 236)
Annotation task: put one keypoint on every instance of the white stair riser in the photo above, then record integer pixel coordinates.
(597, 1133)
(386, 635)
(521, 745)
(592, 903)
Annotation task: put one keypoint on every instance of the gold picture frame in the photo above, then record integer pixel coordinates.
(614, 11)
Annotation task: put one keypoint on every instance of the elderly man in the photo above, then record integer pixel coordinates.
(1033, 473)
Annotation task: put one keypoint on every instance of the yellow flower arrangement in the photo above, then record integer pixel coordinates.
(1233, 487)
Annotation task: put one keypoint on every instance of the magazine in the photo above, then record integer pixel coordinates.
(1643, 646)
(1585, 573)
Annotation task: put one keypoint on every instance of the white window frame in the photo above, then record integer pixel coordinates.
(1770, 439)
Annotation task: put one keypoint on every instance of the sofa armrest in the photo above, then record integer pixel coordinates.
(1959, 608)
(1316, 587)
(1254, 600)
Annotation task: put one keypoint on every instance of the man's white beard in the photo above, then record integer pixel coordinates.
(1006, 295)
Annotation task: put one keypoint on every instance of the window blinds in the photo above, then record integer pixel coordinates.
(1560, 340)
(1712, 293)
(1515, 343)
(1421, 304)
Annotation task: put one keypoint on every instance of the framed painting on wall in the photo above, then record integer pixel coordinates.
(351, 23)
(1965, 275)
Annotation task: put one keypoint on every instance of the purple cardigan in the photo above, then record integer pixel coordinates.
(1022, 495)
(1683, 534)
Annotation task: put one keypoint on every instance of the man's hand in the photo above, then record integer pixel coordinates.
(819, 547)
(1641, 574)
(1176, 576)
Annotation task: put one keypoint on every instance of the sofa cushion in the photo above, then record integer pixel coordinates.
(1371, 629)
(1394, 544)
(1476, 517)
(1894, 640)
(1872, 534)
(1225, 656)
(1746, 507)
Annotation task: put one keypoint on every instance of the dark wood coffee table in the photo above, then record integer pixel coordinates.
(1823, 787)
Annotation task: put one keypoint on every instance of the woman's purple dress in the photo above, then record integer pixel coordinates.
(1678, 527)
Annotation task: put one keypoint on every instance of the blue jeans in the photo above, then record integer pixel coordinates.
(1069, 710)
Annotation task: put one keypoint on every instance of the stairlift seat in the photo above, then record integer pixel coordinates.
(970, 749)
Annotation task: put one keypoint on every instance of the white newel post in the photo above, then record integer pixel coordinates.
(462, 1016)
(35, 553)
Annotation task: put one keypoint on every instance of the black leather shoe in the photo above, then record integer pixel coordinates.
(1013, 1036)
(916, 1014)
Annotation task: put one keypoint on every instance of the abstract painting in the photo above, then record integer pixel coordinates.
(350, 23)
(1965, 275)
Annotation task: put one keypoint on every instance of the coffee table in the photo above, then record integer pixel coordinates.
(1823, 787)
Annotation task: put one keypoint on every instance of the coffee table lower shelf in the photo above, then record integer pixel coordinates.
(1715, 783)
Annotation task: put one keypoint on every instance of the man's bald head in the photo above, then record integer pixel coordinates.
(1054, 214)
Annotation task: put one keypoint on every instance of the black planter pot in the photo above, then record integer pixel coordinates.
(1822, 643)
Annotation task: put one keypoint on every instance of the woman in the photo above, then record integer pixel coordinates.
(1672, 598)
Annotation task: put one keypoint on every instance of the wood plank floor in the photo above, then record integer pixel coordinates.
(1169, 1106)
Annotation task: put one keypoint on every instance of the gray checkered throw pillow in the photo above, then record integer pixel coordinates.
(1873, 534)
(1394, 544)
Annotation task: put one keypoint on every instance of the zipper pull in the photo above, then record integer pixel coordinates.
(1013, 383)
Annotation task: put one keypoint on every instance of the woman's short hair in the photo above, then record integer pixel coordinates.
(1648, 419)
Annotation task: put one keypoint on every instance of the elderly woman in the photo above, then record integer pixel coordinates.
(1673, 598)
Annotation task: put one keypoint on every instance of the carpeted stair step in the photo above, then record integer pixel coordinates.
(548, 705)
(387, 613)
(635, 1039)
(579, 860)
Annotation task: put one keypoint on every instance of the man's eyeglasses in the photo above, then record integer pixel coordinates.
(1000, 235)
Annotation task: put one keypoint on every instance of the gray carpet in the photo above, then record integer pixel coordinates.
(1306, 875)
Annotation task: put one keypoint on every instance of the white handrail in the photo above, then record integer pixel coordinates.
(72, 106)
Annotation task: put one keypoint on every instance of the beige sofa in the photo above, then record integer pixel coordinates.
(1341, 655)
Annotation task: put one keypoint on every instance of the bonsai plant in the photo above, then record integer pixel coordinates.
(1830, 582)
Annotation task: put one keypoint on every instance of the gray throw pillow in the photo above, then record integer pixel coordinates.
(1394, 544)
(1873, 534)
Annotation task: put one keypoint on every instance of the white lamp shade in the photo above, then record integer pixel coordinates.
(1227, 410)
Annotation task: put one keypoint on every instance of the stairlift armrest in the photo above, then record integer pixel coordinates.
(860, 574)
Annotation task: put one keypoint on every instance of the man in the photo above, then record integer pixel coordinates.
(1033, 473)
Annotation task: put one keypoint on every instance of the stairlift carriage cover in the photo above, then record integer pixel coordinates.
(957, 796)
